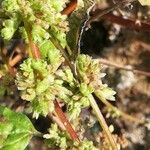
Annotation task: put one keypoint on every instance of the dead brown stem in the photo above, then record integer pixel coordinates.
(130, 23)
(101, 13)
(15, 60)
(109, 63)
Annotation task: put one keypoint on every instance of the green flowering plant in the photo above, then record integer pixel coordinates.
(48, 78)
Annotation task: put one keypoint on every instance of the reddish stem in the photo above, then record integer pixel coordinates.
(65, 122)
(127, 22)
(35, 51)
(70, 7)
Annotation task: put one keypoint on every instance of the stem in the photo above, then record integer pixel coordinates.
(102, 122)
(70, 7)
(65, 122)
(58, 46)
(55, 118)
(33, 47)
(35, 50)
(38, 134)
(15, 60)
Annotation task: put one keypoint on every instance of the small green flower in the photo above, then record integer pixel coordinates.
(106, 93)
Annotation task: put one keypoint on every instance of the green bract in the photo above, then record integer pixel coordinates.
(37, 85)
(10, 6)
(10, 26)
(105, 93)
(5, 81)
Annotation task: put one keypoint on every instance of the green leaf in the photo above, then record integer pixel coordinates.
(45, 47)
(16, 130)
(145, 2)
(10, 6)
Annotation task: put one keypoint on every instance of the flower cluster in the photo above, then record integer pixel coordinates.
(56, 138)
(90, 74)
(41, 83)
(42, 16)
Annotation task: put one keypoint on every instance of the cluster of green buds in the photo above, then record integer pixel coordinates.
(42, 83)
(90, 74)
(56, 138)
(43, 15)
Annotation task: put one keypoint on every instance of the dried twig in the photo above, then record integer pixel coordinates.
(121, 113)
(130, 23)
(109, 63)
(15, 60)
(101, 13)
